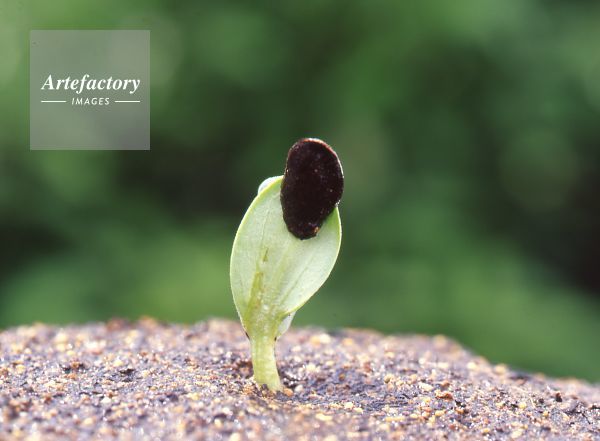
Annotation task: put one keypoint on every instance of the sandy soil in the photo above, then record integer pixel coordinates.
(148, 380)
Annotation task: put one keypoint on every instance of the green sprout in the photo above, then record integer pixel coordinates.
(285, 248)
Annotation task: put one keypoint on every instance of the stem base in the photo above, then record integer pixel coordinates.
(263, 362)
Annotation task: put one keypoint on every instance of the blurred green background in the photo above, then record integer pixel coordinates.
(469, 133)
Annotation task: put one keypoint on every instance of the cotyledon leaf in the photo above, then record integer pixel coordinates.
(273, 273)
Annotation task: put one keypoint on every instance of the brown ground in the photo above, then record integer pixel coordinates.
(149, 380)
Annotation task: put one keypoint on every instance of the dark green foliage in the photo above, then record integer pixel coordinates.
(470, 137)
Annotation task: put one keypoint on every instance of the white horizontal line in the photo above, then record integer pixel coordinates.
(53, 101)
(116, 101)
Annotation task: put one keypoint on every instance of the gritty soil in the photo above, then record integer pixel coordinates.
(148, 380)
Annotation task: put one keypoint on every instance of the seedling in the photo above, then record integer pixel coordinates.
(285, 248)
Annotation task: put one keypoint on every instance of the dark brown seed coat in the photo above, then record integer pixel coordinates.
(312, 186)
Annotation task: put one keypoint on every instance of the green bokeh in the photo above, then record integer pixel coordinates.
(469, 133)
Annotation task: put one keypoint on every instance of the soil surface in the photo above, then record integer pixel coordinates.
(148, 380)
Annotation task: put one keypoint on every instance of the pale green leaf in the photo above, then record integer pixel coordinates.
(272, 272)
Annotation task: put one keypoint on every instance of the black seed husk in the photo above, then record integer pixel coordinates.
(312, 186)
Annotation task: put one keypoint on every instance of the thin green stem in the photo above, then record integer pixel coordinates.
(263, 361)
